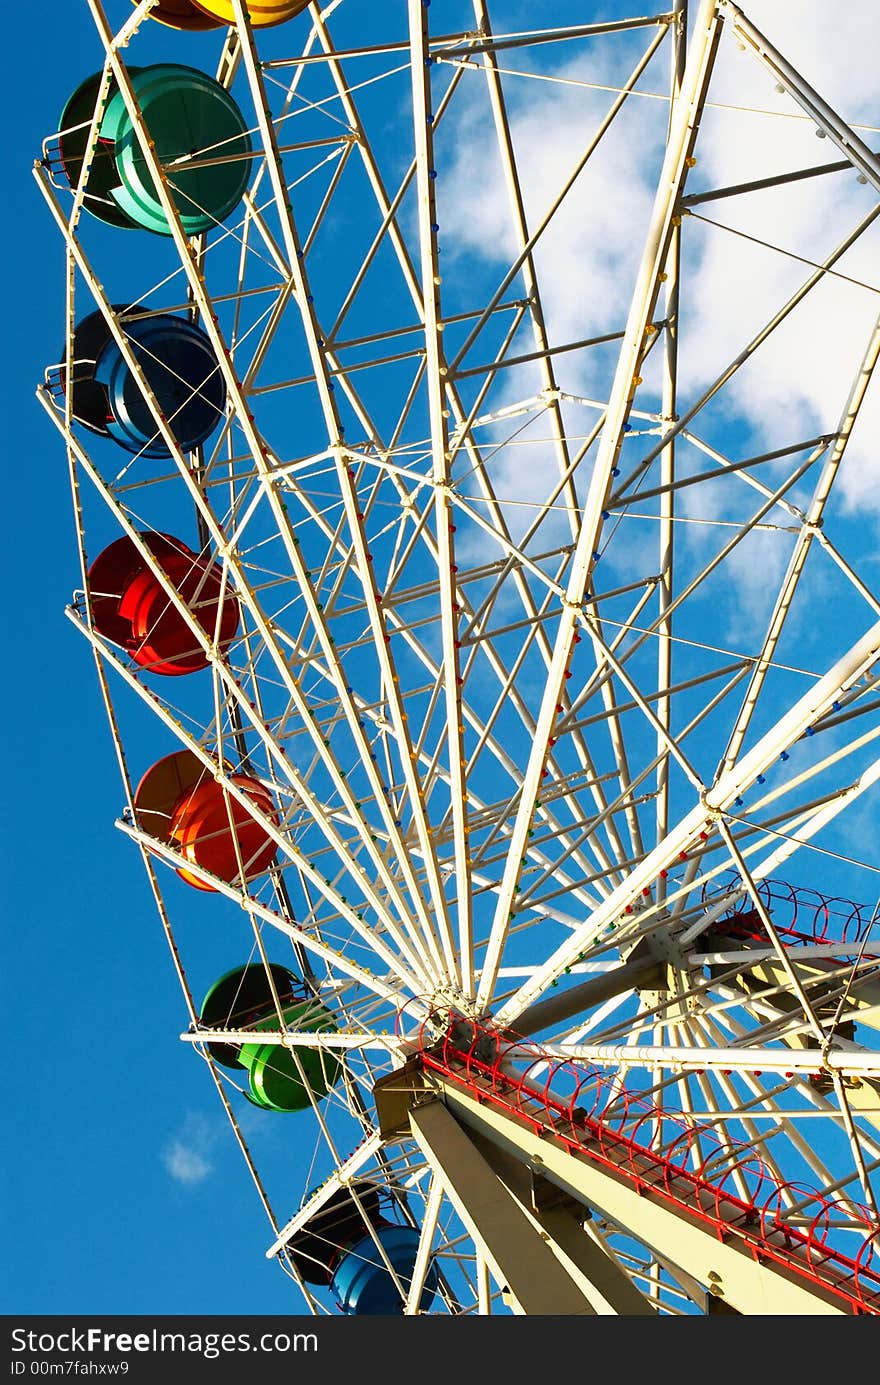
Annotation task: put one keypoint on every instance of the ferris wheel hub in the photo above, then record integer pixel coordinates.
(432, 764)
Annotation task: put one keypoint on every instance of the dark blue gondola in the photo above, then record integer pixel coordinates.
(180, 369)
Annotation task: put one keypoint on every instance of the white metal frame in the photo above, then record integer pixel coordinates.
(491, 770)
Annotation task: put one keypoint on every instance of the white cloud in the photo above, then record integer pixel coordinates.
(590, 250)
(797, 383)
(187, 1155)
(801, 376)
(585, 260)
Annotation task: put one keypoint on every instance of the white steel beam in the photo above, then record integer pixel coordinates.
(444, 513)
(338, 1179)
(531, 1278)
(360, 544)
(848, 142)
(753, 1286)
(810, 528)
(289, 1038)
(608, 1287)
(702, 818)
(670, 186)
(850, 1061)
(668, 409)
(433, 1204)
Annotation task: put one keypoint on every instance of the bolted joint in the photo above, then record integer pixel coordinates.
(471, 1039)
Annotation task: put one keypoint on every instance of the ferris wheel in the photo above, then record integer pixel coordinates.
(489, 652)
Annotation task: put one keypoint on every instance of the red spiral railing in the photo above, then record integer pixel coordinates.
(725, 1185)
(802, 915)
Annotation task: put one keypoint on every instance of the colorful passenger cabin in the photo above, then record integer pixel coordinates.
(179, 366)
(75, 125)
(335, 1249)
(243, 997)
(199, 136)
(213, 14)
(131, 608)
(183, 14)
(89, 403)
(362, 1285)
(181, 804)
(280, 1078)
(318, 1246)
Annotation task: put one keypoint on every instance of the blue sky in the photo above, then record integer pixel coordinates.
(119, 1166)
(93, 1219)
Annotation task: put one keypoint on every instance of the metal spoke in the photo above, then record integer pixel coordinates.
(523, 651)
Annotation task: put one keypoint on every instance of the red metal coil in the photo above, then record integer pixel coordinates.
(414, 1002)
(592, 1086)
(749, 1169)
(822, 1226)
(609, 1138)
(867, 1264)
(800, 915)
(576, 1076)
(678, 1153)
